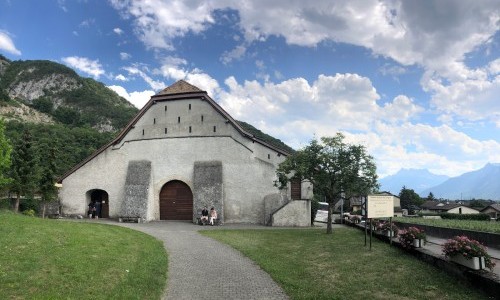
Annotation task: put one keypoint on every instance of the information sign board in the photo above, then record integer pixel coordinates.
(380, 206)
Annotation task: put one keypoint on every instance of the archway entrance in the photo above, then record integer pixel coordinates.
(101, 196)
(176, 201)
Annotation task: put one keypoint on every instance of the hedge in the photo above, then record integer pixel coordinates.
(477, 217)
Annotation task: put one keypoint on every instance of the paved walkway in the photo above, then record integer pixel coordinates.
(202, 268)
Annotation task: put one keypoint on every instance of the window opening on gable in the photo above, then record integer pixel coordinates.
(269, 156)
(165, 108)
(189, 129)
(143, 132)
(202, 118)
(178, 119)
(154, 121)
(189, 106)
(215, 128)
(166, 130)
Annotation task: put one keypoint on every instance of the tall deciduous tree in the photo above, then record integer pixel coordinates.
(337, 170)
(5, 160)
(24, 169)
(48, 190)
(409, 199)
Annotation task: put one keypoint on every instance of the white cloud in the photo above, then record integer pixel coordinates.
(86, 65)
(235, 54)
(120, 77)
(155, 85)
(125, 56)
(7, 44)
(87, 23)
(138, 99)
(118, 31)
(158, 22)
(62, 5)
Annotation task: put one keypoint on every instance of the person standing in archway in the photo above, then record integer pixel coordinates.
(91, 209)
(97, 209)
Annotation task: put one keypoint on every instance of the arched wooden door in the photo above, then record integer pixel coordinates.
(176, 201)
(102, 197)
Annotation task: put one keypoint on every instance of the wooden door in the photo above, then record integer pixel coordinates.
(176, 201)
(104, 205)
(296, 190)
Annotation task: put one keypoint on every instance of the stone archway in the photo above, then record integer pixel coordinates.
(176, 201)
(102, 197)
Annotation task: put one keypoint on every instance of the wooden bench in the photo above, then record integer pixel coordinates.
(207, 222)
(130, 219)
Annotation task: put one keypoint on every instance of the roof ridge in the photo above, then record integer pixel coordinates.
(180, 87)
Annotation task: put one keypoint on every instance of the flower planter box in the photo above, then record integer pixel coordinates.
(475, 263)
(389, 233)
(418, 243)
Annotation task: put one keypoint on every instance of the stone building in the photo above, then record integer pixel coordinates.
(182, 152)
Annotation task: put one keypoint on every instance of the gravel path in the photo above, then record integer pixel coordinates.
(202, 268)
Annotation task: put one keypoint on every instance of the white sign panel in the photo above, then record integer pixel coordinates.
(380, 206)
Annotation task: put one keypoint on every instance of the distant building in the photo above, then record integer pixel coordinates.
(180, 153)
(446, 207)
(493, 210)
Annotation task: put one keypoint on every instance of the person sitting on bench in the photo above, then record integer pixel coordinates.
(204, 215)
(213, 216)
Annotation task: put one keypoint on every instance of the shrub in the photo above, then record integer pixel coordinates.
(28, 204)
(407, 236)
(468, 248)
(476, 217)
(386, 226)
(29, 212)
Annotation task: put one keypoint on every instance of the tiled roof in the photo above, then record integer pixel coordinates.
(180, 87)
(435, 205)
(494, 206)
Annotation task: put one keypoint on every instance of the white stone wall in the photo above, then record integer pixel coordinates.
(465, 210)
(248, 167)
(294, 213)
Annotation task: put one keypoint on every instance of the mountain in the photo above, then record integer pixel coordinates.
(415, 179)
(54, 93)
(480, 184)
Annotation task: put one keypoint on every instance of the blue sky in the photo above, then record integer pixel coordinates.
(416, 82)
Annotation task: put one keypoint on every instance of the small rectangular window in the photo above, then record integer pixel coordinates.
(166, 131)
(269, 156)
(215, 128)
(154, 121)
(189, 106)
(165, 108)
(178, 119)
(189, 129)
(202, 118)
(143, 132)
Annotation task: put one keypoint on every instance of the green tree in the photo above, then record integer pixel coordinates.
(409, 198)
(431, 197)
(24, 169)
(48, 190)
(5, 153)
(337, 170)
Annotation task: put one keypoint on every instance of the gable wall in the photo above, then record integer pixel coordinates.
(248, 168)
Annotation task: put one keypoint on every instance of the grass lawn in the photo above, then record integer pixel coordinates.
(309, 264)
(486, 226)
(54, 259)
